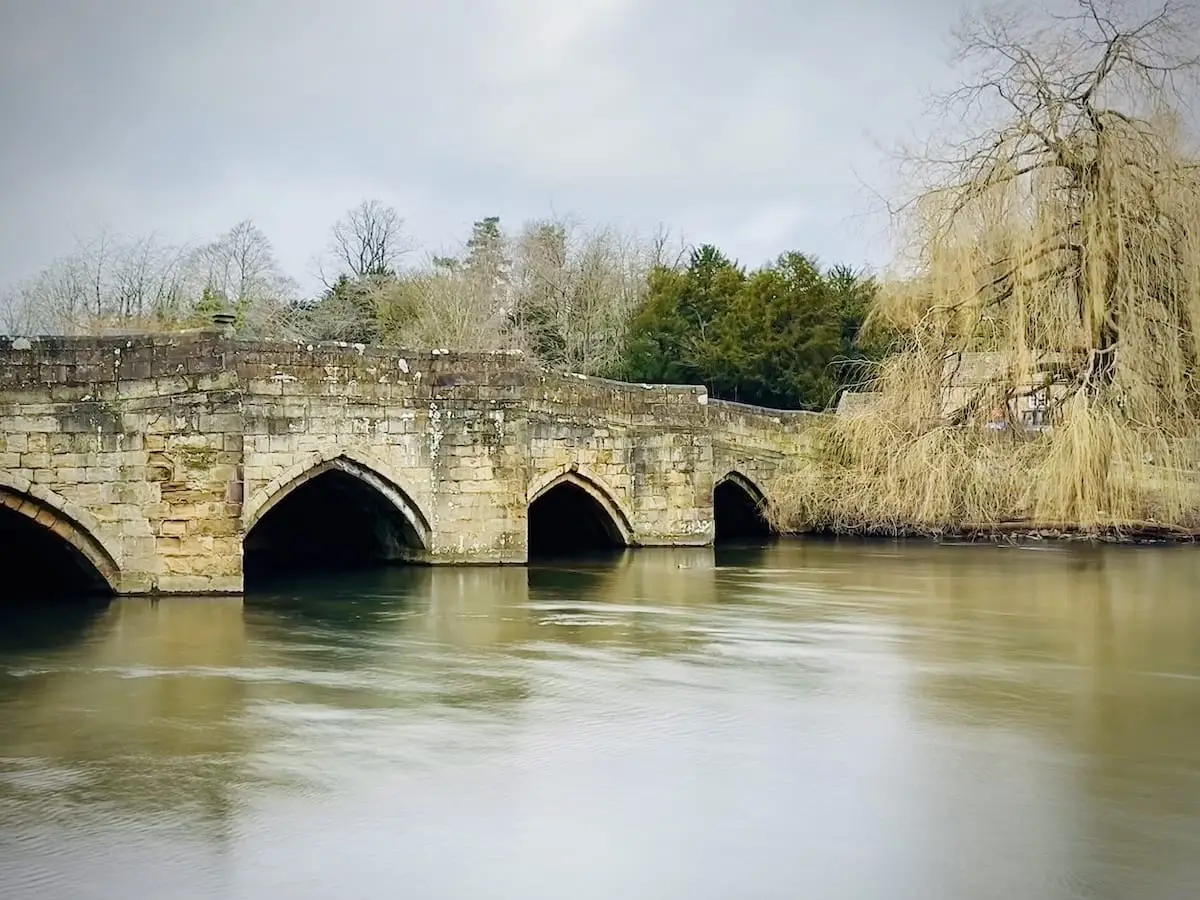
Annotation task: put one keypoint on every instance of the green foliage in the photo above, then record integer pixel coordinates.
(348, 309)
(210, 303)
(784, 335)
(487, 258)
(670, 332)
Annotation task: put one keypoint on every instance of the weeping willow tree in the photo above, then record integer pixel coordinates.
(1047, 301)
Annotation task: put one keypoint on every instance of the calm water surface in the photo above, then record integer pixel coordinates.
(805, 720)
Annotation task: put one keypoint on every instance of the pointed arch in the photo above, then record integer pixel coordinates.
(616, 519)
(353, 463)
(753, 491)
(739, 508)
(72, 524)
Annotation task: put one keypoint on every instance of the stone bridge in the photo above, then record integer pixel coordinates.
(179, 463)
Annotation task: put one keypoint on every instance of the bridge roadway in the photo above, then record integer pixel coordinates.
(170, 463)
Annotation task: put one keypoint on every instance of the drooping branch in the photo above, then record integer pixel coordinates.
(1055, 253)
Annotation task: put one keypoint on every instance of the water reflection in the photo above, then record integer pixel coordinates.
(128, 708)
(1077, 671)
(38, 626)
(803, 718)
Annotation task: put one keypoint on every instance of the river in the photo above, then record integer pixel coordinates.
(806, 719)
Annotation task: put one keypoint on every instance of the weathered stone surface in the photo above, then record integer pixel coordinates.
(155, 455)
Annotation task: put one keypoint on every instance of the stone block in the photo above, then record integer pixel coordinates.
(134, 583)
(33, 461)
(136, 528)
(189, 584)
(225, 584)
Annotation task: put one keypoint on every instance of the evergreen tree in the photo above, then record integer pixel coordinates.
(784, 335)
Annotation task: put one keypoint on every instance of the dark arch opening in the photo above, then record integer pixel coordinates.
(39, 564)
(566, 520)
(332, 521)
(738, 513)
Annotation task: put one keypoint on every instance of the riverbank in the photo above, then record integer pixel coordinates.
(1092, 478)
(1016, 531)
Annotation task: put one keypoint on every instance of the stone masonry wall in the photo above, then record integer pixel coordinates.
(751, 443)
(130, 446)
(154, 456)
(445, 430)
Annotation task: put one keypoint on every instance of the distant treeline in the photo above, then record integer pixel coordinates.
(598, 301)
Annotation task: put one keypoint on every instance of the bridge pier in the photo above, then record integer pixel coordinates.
(171, 463)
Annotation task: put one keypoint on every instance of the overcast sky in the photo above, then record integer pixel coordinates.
(759, 125)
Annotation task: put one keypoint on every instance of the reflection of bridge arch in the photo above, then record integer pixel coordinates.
(362, 467)
(739, 506)
(613, 516)
(72, 526)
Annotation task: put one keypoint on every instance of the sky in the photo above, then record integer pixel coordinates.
(758, 125)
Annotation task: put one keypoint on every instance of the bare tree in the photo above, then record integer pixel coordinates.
(1074, 155)
(444, 307)
(17, 316)
(58, 298)
(111, 283)
(367, 241)
(147, 281)
(668, 252)
(241, 267)
(557, 290)
(104, 284)
(576, 288)
(1061, 234)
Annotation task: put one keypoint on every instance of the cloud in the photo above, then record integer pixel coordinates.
(748, 124)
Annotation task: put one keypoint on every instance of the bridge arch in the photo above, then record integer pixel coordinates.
(52, 521)
(575, 482)
(356, 464)
(739, 507)
(332, 507)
